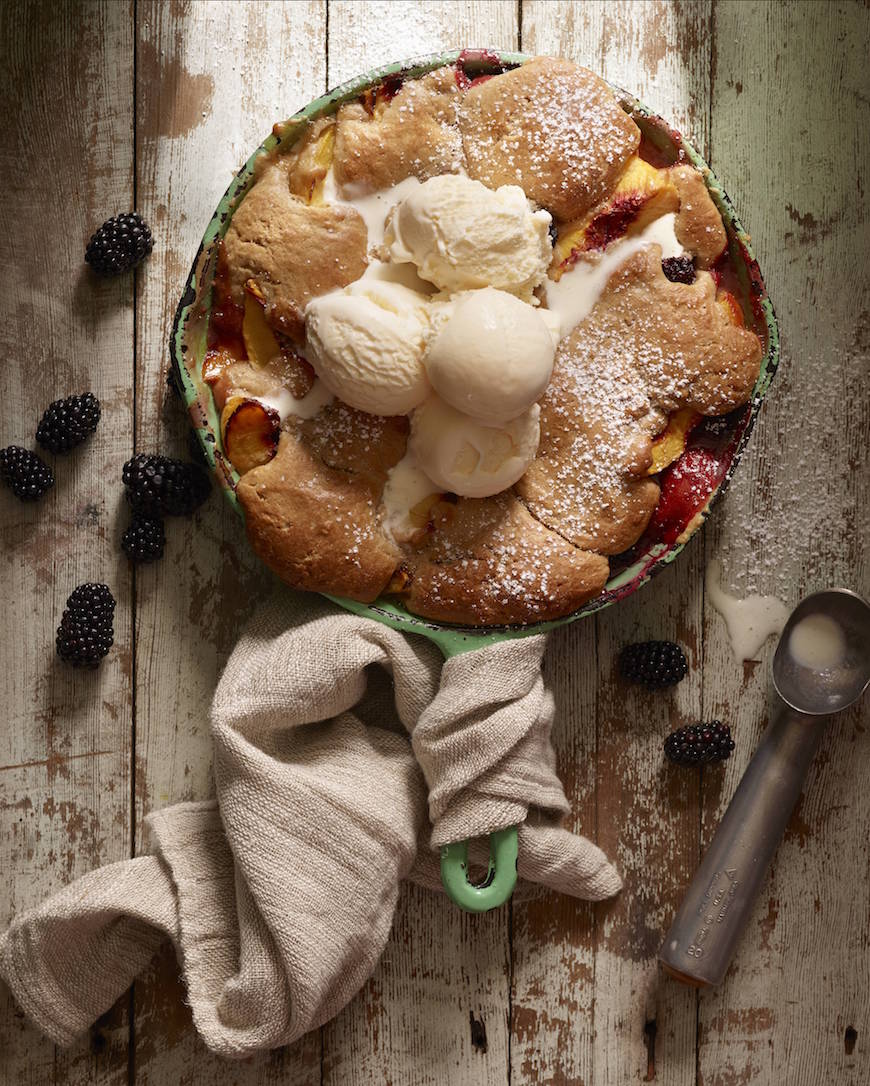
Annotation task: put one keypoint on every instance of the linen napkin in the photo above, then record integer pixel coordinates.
(279, 896)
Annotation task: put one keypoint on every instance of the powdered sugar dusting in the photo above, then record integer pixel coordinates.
(617, 377)
(548, 136)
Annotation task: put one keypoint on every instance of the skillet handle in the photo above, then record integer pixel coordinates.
(501, 875)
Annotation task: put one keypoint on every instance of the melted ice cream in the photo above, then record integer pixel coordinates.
(575, 295)
(751, 621)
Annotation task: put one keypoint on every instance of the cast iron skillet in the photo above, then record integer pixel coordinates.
(708, 462)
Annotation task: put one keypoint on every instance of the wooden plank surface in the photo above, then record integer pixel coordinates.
(66, 158)
(789, 135)
(155, 104)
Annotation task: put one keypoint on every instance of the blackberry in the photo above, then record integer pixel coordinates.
(698, 744)
(67, 423)
(161, 486)
(679, 269)
(553, 231)
(93, 599)
(119, 245)
(26, 474)
(655, 664)
(144, 539)
(85, 634)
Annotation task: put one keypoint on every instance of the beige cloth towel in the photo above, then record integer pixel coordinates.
(279, 896)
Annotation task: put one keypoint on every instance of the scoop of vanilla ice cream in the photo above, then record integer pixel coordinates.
(492, 357)
(366, 343)
(465, 456)
(462, 236)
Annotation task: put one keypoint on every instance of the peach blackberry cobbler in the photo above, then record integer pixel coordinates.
(457, 333)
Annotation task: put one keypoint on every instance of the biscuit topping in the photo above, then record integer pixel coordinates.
(516, 322)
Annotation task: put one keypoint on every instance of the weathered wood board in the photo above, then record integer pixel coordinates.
(66, 746)
(153, 104)
(789, 134)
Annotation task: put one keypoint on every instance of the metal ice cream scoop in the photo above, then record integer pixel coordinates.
(821, 666)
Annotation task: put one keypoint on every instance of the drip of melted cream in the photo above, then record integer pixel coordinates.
(373, 207)
(751, 621)
(286, 404)
(817, 643)
(576, 294)
(406, 486)
(403, 274)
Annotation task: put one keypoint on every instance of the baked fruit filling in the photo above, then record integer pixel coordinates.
(459, 330)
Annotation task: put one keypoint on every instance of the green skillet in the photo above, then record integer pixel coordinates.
(689, 487)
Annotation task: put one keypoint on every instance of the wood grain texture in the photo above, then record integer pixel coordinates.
(364, 35)
(436, 1008)
(553, 991)
(66, 161)
(212, 79)
(789, 137)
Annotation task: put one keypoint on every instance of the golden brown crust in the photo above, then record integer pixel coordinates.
(551, 127)
(698, 224)
(587, 482)
(279, 374)
(494, 564)
(291, 250)
(648, 348)
(682, 341)
(365, 446)
(316, 527)
(414, 134)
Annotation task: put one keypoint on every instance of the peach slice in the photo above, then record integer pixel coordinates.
(671, 442)
(216, 374)
(260, 341)
(250, 432)
(312, 161)
(323, 155)
(732, 307)
(642, 194)
(426, 513)
(400, 579)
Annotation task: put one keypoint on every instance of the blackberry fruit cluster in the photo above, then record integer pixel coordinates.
(655, 664)
(86, 634)
(700, 744)
(160, 486)
(26, 474)
(679, 269)
(67, 423)
(144, 540)
(120, 244)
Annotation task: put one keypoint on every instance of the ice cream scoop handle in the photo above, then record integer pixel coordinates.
(702, 939)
